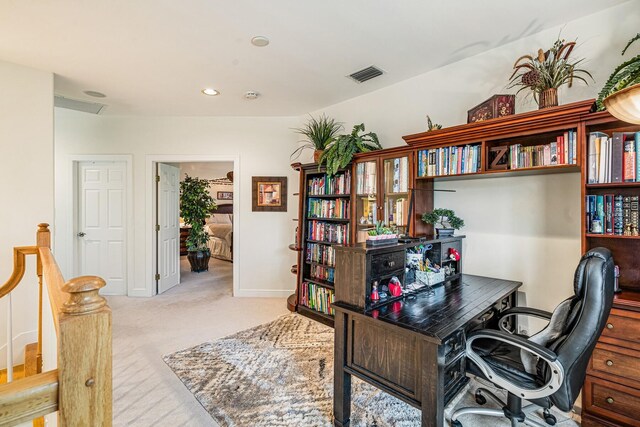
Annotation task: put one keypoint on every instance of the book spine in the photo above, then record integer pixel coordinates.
(634, 215)
(630, 166)
(616, 157)
(608, 218)
(626, 214)
(618, 224)
(599, 228)
(636, 138)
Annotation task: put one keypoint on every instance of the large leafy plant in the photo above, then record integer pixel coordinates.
(625, 75)
(318, 132)
(340, 152)
(445, 217)
(196, 205)
(548, 69)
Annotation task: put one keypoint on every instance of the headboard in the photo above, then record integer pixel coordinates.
(223, 209)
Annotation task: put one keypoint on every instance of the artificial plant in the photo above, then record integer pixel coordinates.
(625, 75)
(318, 133)
(379, 230)
(340, 151)
(445, 217)
(196, 205)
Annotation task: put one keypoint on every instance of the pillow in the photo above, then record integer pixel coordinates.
(220, 219)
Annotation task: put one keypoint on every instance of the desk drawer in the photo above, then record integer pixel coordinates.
(612, 401)
(384, 264)
(453, 346)
(454, 372)
(622, 325)
(612, 360)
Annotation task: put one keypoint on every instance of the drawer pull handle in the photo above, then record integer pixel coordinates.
(610, 400)
(609, 362)
(609, 325)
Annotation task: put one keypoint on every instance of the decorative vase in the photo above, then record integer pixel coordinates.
(317, 154)
(624, 104)
(548, 98)
(199, 260)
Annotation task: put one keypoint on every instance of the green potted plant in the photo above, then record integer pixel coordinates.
(623, 77)
(381, 235)
(319, 133)
(340, 151)
(447, 220)
(196, 204)
(545, 72)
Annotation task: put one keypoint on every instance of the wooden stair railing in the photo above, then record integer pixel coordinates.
(80, 389)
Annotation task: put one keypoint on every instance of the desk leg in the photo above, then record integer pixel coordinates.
(341, 379)
(432, 388)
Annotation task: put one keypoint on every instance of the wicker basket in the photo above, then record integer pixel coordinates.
(429, 278)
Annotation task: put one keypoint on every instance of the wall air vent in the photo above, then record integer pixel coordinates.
(366, 74)
(74, 104)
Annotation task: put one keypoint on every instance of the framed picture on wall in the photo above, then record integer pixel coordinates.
(225, 195)
(269, 193)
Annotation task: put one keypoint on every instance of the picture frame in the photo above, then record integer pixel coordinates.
(269, 194)
(224, 195)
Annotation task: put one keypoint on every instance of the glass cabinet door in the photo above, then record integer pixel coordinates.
(396, 193)
(366, 198)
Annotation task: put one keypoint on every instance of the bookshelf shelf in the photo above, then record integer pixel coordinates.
(329, 196)
(316, 315)
(320, 282)
(615, 185)
(609, 236)
(328, 219)
(320, 264)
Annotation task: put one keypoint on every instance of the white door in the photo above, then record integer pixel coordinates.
(169, 222)
(101, 231)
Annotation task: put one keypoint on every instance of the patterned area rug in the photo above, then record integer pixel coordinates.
(281, 374)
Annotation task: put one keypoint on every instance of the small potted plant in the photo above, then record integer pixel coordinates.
(545, 72)
(381, 235)
(319, 133)
(196, 204)
(340, 151)
(447, 220)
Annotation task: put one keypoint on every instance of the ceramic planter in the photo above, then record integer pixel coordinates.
(199, 260)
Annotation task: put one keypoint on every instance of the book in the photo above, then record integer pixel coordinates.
(602, 158)
(617, 149)
(618, 224)
(637, 139)
(608, 214)
(592, 160)
(629, 161)
(633, 214)
(590, 212)
(599, 226)
(626, 213)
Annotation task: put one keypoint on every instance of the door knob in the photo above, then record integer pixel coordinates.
(81, 234)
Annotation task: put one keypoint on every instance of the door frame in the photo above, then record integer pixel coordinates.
(151, 211)
(67, 240)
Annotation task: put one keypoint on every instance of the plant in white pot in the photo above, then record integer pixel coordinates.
(196, 204)
(381, 235)
(447, 220)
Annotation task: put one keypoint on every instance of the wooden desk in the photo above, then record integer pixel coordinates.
(414, 348)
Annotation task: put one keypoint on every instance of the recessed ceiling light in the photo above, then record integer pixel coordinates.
(260, 41)
(95, 94)
(251, 94)
(210, 91)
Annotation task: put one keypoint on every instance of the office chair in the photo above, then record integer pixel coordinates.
(549, 367)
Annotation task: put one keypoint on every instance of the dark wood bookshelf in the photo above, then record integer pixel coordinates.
(311, 218)
(322, 242)
(326, 319)
(320, 282)
(320, 264)
(609, 236)
(614, 185)
(329, 196)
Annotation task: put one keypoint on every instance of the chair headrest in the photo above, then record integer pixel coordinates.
(594, 254)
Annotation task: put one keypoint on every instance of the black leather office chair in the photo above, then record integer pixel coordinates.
(549, 367)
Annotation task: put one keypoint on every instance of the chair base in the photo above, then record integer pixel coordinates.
(511, 410)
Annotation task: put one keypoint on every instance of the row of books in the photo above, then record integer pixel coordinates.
(454, 160)
(322, 254)
(612, 214)
(559, 152)
(328, 232)
(326, 185)
(613, 159)
(400, 183)
(396, 211)
(317, 298)
(323, 273)
(366, 178)
(323, 208)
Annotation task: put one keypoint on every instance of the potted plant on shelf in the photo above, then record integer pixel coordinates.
(446, 218)
(339, 152)
(381, 235)
(319, 133)
(545, 72)
(196, 205)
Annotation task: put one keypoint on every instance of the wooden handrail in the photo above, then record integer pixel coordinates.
(28, 398)
(19, 255)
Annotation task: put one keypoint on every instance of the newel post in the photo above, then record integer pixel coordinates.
(84, 355)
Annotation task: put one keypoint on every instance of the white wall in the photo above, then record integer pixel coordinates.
(209, 170)
(26, 150)
(262, 145)
(520, 228)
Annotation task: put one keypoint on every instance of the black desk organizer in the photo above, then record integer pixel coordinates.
(381, 263)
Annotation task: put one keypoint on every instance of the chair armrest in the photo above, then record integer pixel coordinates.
(557, 371)
(521, 311)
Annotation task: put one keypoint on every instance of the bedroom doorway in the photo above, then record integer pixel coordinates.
(172, 268)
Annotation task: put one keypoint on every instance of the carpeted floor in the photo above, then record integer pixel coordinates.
(281, 374)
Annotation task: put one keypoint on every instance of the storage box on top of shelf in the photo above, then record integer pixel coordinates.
(494, 107)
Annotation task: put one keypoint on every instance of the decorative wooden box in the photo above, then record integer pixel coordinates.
(496, 106)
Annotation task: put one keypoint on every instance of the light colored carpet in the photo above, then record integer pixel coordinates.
(201, 308)
(281, 374)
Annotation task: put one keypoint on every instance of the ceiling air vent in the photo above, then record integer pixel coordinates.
(366, 74)
(74, 104)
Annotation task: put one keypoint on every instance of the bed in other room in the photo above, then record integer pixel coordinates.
(220, 228)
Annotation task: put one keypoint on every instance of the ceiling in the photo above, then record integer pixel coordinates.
(152, 57)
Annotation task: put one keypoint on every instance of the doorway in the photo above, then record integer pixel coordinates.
(169, 233)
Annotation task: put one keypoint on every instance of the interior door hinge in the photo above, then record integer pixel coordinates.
(157, 178)
(157, 227)
(157, 276)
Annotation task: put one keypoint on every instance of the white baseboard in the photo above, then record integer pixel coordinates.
(263, 293)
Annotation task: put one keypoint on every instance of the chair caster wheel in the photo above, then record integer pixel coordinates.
(549, 418)
(456, 423)
(480, 399)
